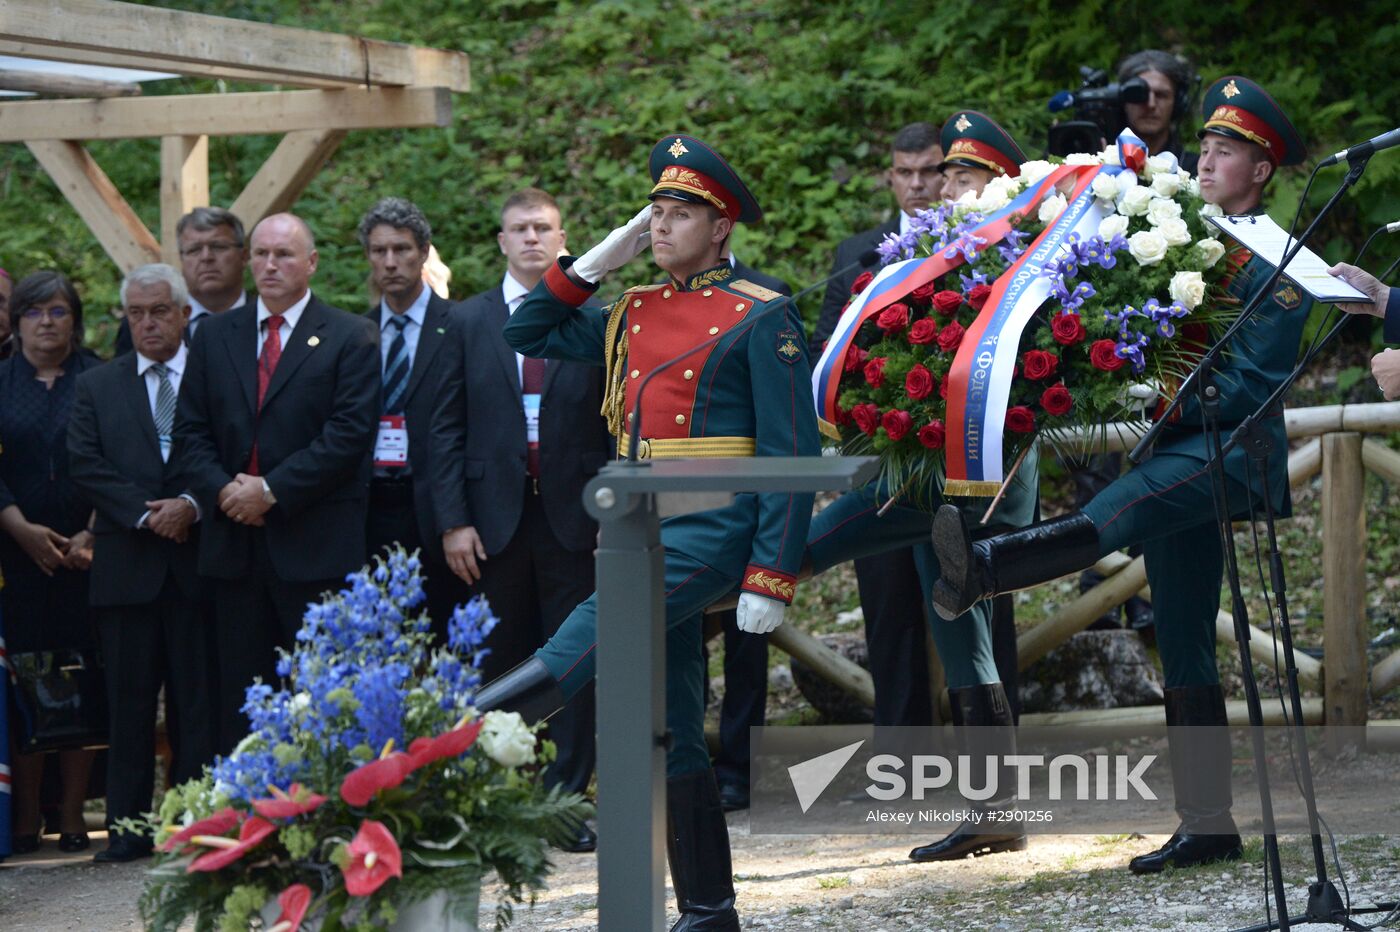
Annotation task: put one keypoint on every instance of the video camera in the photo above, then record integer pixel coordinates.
(1098, 111)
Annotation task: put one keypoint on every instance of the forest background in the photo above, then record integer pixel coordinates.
(801, 96)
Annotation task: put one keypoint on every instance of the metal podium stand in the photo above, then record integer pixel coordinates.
(629, 500)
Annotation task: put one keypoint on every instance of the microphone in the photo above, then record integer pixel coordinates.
(635, 431)
(1363, 150)
(1393, 227)
(1062, 100)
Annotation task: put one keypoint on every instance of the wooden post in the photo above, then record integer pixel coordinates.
(1344, 580)
(826, 662)
(1079, 614)
(184, 185)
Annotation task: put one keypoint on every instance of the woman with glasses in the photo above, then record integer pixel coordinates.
(45, 547)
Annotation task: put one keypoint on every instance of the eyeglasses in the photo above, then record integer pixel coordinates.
(52, 313)
(214, 249)
(154, 312)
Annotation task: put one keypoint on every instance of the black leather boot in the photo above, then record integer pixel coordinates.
(986, 707)
(1201, 783)
(529, 688)
(977, 570)
(697, 846)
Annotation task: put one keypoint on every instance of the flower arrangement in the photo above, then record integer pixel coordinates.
(367, 782)
(1132, 299)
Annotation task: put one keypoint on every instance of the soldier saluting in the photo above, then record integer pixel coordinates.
(748, 394)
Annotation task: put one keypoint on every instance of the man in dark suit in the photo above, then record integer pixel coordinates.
(144, 581)
(514, 441)
(412, 323)
(276, 423)
(213, 255)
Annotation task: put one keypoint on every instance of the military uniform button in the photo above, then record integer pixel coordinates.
(739, 308)
(680, 418)
(689, 374)
(629, 415)
(635, 373)
(636, 328)
(637, 302)
(707, 292)
(666, 293)
(714, 330)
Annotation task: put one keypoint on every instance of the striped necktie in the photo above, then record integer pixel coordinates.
(165, 408)
(396, 368)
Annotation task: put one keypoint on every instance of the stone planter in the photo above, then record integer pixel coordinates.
(433, 914)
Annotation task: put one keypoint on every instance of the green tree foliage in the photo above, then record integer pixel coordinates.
(802, 96)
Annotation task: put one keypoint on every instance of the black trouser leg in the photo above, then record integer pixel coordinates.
(697, 846)
(745, 705)
(896, 632)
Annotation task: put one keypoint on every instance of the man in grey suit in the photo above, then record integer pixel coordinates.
(514, 440)
(412, 323)
(144, 582)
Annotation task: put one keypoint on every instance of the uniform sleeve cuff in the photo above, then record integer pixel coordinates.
(565, 288)
(775, 584)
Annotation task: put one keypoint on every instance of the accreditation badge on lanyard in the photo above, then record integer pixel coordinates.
(532, 418)
(391, 445)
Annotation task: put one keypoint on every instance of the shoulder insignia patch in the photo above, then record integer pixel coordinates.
(1288, 297)
(789, 346)
(755, 291)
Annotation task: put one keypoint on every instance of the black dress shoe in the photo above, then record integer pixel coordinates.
(584, 841)
(1187, 850)
(24, 844)
(122, 849)
(733, 797)
(73, 841)
(965, 840)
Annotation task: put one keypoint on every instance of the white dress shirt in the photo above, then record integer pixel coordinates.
(514, 293)
(175, 371)
(416, 314)
(290, 317)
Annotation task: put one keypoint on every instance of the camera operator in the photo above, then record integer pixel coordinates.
(1170, 87)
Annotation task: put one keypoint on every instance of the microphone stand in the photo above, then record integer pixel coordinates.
(1201, 382)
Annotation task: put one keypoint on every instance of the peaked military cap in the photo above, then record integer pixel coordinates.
(1238, 108)
(686, 169)
(974, 139)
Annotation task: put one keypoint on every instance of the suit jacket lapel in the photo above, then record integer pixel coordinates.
(506, 355)
(140, 400)
(242, 347)
(296, 347)
(429, 340)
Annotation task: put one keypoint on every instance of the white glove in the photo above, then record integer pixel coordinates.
(617, 249)
(758, 614)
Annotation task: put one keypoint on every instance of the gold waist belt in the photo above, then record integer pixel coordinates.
(689, 448)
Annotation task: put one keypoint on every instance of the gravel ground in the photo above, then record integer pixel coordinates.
(862, 883)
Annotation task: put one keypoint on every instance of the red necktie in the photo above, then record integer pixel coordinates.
(532, 383)
(267, 364)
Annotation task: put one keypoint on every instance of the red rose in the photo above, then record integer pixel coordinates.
(1067, 329)
(862, 281)
(875, 371)
(950, 336)
(943, 387)
(896, 424)
(1020, 420)
(977, 296)
(1040, 364)
(855, 358)
(893, 318)
(947, 302)
(1056, 400)
(867, 418)
(843, 417)
(925, 292)
(931, 435)
(1104, 355)
(923, 331)
(918, 383)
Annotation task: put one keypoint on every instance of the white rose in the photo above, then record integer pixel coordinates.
(507, 739)
(967, 199)
(1134, 201)
(1211, 251)
(1033, 171)
(1211, 210)
(1081, 158)
(1188, 288)
(992, 198)
(1165, 185)
(1105, 186)
(1192, 186)
(1113, 225)
(1126, 182)
(1162, 208)
(1006, 184)
(1174, 230)
(1148, 247)
(1051, 207)
(1161, 163)
(1109, 156)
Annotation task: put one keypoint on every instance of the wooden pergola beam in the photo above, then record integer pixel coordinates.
(48, 84)
(286, 173)
(214, 46)
(184, 185)
(122, 234)
(225, 114)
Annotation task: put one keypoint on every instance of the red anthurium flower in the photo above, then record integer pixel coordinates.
(294, 900)
(217, 824)
(285, 805)
(360, 784)
(228, 850)
(453, 743)
(374, 858)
